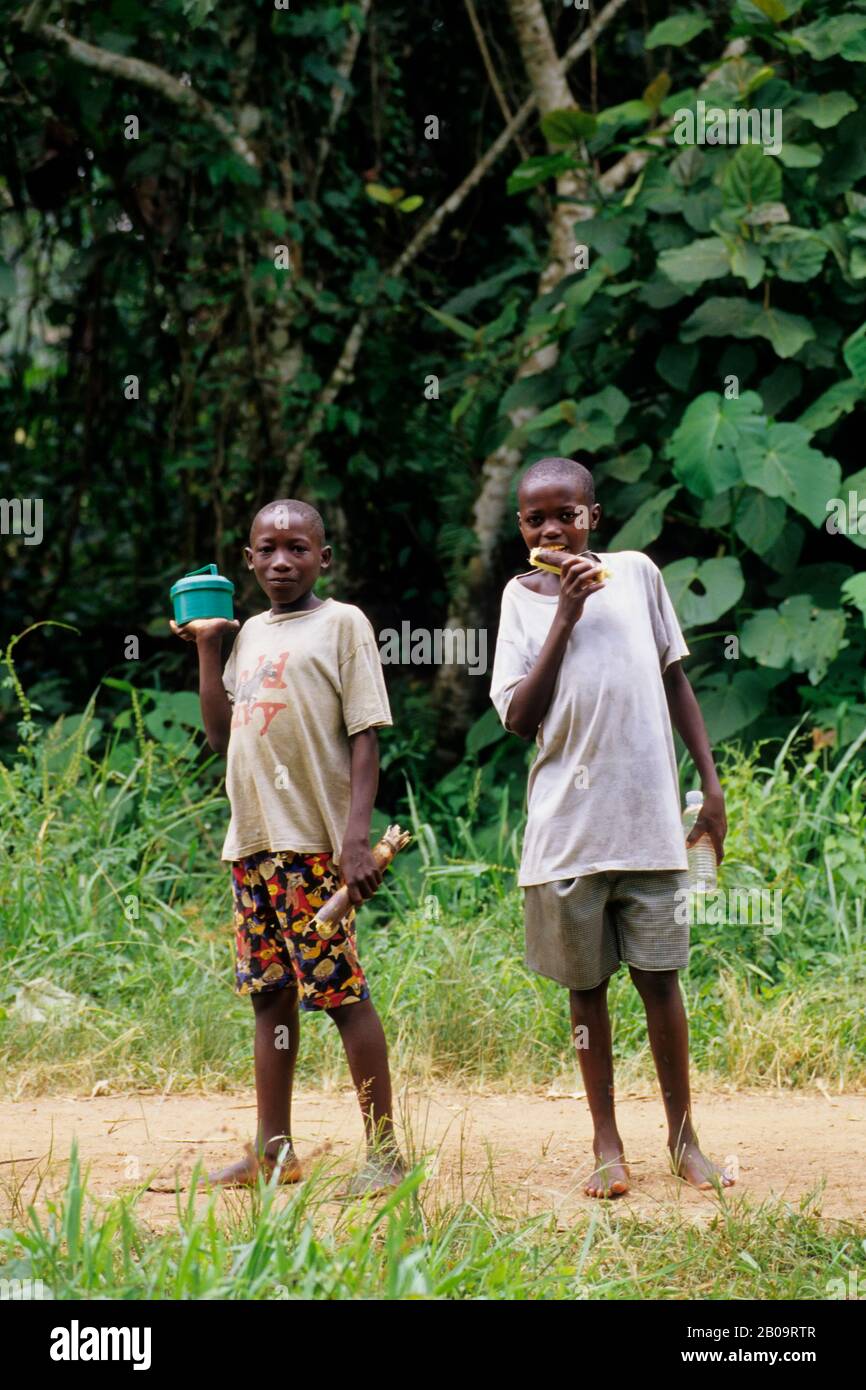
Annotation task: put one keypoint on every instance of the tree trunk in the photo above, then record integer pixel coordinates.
(473, 602)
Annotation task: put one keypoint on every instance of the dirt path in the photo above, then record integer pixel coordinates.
(530, 1151)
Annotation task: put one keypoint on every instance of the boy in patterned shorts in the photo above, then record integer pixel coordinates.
(296, 711)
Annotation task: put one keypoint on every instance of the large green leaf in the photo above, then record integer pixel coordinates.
(722, 583)
(825, 109)
(800, 156)
(628, 113)
(747, 263)
(628, 467)
(537, 170)
(759, 520)
(705, 259)
(567, 126)
(594, 420)
(782, 464)
(751, 178)
(679, 29)
(740, 318)
(553, 415)
(795, 253)
(731, 705)
(705, 446)
(831, 35)
(645, 525)
(837, 400)
(797, 633)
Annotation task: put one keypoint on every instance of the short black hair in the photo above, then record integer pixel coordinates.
(560, 471)
(308, 515)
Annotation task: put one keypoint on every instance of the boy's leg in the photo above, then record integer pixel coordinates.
(265, 970)
(363, 1037)
(590, 1023)
(669, 1038)
(570, 938)
(275, 1054)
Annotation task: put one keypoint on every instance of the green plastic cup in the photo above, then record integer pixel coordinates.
(203, 593)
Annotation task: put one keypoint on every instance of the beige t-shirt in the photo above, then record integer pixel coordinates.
(300, 684)
(603, 791)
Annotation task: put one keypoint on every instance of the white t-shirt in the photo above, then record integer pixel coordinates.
(603, 790)
(300, 684)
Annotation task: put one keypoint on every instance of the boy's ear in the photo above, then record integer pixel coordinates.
(594, 516)
(327, 555)
(248, 556)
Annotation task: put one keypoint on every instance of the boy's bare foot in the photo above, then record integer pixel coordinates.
(380, 1173)
(245, 1172)
(694, 1167)
(611, 1177)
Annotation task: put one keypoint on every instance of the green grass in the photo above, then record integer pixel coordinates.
(113, 892)
(279, 1244)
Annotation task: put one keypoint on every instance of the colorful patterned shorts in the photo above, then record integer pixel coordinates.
(276, 897)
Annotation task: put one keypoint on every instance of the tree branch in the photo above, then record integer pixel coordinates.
(352, 346)
(492, 77)
(338, 97)
(143, 74)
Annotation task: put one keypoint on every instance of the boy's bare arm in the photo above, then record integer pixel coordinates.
(216, 710)
(688, 721)
(531, 698)
(361, 873)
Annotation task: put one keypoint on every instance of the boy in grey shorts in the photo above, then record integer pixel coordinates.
(597, 684)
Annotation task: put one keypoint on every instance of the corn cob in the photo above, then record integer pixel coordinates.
(331, 913)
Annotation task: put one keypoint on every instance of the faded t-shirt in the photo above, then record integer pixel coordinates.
(300, 684)
(603, 791)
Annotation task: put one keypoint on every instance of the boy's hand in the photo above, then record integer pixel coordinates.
(204, 628)
(712, 821)
(361, 873)
(573, 588)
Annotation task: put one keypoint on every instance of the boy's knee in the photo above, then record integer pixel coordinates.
(344, 1013)
(283, 1000)
(655, 984)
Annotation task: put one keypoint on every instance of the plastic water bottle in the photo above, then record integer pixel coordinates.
(701, 855)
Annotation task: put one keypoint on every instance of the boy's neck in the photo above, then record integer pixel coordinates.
(303, 604)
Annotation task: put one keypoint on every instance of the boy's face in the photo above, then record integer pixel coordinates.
(554, 513)
(286, 558)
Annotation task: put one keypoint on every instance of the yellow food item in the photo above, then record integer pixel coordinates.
(541, 564)
(556, 569)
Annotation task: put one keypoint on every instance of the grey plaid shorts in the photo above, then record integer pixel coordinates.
(580, 930)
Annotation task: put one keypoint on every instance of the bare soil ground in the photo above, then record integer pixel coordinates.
(528, 1152)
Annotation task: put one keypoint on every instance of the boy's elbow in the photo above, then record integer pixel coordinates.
(516, 727)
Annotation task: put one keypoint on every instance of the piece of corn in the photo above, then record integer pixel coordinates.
(331, 913)
(556, 569)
